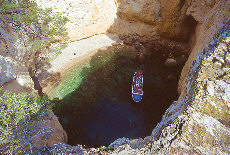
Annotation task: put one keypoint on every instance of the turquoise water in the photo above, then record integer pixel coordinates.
(95, 105)
(70, 81)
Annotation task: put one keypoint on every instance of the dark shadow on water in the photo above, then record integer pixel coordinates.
(101, 109)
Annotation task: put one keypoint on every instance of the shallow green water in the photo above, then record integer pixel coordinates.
(70, 81)
(95, 105)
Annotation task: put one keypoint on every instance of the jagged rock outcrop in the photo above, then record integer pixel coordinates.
(207, 26)
(7, 70)
(53, 133)
(204, 125)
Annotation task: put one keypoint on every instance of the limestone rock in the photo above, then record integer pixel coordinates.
(58, 134)
(170, 62)
(213, 19)
(199, 9)
(198, 123)
(147, 11)
(16, 86)
(137, 143)
(87, 18)
(11, 70)
(62, 148)
(119, 142)
(46, 133)
(8, 69)
(202, 123)
(12, 43)
(136, 18)
(126, 27)
(174, 22)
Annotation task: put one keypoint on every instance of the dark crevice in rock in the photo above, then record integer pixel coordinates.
(37, 85)
(191, 24)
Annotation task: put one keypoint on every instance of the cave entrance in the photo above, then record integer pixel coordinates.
(101, 110)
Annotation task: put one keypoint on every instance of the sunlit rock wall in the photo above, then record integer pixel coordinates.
(209, 16)
(87, 17)
(7, 70)
(13, 54)
(201, 115)
(145, 18)
(136, 17)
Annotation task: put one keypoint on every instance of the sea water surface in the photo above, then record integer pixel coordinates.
(94, 101)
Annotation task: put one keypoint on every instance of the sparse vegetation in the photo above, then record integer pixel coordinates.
(38, 28)
(19, 114)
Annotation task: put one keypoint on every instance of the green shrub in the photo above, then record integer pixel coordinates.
(39, 27)
(19, 113)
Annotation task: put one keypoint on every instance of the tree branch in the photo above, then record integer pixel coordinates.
(14, 10)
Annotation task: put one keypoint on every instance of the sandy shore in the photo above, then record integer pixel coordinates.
(76, 53)
(81, 48)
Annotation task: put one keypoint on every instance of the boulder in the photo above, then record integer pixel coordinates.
(8, 69)
(171, 62)
(147, 11)
(56, 134)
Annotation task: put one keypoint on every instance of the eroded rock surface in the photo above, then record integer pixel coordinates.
(7, 70)
(15, 77)
(211, 21)
(87, 18)
(204, 126)
(55, 133)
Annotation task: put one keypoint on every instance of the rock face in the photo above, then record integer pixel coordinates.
(13, 70)
(214, 16)
(87, 18)
(203, 127)
(56, 134)
(7, 70)
(147, 19)
(174, 22)
(196, 124)
(13, 54)
(136, 17)
(147, 11)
